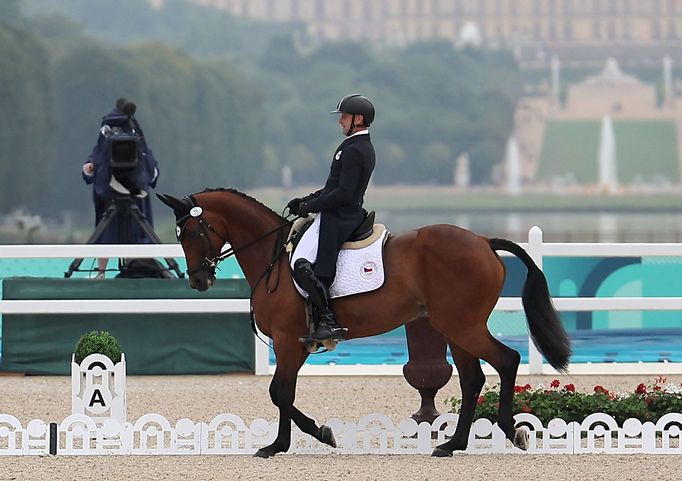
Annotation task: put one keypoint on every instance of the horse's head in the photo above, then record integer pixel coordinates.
(200, 242)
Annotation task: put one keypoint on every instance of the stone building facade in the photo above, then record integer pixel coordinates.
(581, 32)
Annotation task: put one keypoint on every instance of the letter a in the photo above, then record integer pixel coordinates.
(97, 398)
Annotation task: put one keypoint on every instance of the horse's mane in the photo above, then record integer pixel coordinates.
(241, 194)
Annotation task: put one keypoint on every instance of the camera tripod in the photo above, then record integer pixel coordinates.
(124, 211)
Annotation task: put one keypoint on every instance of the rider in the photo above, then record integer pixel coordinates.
(339, 203)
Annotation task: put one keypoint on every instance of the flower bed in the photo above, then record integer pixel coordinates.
(645, 402)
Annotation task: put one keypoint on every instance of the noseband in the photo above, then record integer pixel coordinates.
(209, 264)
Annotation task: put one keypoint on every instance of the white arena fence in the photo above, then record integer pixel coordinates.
(153, 434)
(535, 247)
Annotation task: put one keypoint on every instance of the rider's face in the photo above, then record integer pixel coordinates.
(346, 122)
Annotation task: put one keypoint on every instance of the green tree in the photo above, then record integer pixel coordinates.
(25, 127)
(10, 12)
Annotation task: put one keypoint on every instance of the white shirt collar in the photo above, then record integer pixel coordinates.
(359, 133)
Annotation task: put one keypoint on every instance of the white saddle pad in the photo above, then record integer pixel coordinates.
(357, 270)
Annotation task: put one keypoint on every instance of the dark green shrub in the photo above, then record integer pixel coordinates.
(97, 342)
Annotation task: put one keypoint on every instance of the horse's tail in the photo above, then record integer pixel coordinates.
(544, 324)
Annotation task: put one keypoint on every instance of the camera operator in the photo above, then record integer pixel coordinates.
(121, 165)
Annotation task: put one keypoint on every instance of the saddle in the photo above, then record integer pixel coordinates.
(362, 236)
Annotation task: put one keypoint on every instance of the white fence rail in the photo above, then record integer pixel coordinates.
(535, 247)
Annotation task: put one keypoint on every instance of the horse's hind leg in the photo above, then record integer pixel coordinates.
(479, 343)
(506, 362)
(471, 380)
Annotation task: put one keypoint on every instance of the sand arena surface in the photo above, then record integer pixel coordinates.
(201, 398)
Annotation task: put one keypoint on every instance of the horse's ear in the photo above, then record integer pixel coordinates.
(172, 202)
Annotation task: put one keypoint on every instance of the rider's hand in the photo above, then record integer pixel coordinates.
(88, 168)
(303, 209)
(294, 204)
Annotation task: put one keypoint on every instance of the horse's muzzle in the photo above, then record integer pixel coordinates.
(201, 282)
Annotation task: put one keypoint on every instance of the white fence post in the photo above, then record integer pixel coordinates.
(535, 252)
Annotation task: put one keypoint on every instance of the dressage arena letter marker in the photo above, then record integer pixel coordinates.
(97, 398)
(98, 388)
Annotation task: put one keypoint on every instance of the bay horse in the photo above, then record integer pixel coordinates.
(447, 273)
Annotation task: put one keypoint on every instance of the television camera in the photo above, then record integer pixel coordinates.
(124, 170)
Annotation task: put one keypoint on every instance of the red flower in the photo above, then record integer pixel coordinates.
(641, 389)
(661, 380)
(569, 387)
(601, 390)
(525, 388)
(555, 383)
(526, 409)
(657, 388)
(481, 399)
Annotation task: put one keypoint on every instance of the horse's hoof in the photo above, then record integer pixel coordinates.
(441, 453)
(521, 439)
(330, 344)
(327, 436)
(263, 453)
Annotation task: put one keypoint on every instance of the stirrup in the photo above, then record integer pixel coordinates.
(335, 333)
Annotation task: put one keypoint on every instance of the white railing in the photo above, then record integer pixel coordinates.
(536, 248)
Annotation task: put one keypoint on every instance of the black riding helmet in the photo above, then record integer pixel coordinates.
(356, 104)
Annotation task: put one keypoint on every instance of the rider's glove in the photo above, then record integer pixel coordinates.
(294, 204)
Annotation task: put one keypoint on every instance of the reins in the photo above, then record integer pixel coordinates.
(211, 264)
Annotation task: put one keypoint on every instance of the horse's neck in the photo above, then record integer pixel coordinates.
(250, 222)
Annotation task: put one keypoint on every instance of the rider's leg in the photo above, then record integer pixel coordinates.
(318, 293)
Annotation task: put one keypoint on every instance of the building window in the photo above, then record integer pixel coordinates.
(613, 6)
(319, 10)
(596, 30)
(627, 8)
(596, 7)
(611, 31)
(656, 30)
(672, 33)
(627, 31)
(444, 7)
(568, 30)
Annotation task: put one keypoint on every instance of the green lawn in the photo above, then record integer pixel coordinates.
(429, 197)
(645, 149)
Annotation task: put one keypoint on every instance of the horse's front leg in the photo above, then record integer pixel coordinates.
(282, 389)
(323, 433)
(290, 357)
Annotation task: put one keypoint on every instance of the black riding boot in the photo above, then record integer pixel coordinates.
(318, 293)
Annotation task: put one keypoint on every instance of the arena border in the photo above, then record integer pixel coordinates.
(228, 434)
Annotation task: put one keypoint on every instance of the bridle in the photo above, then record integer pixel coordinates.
(210, 264)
